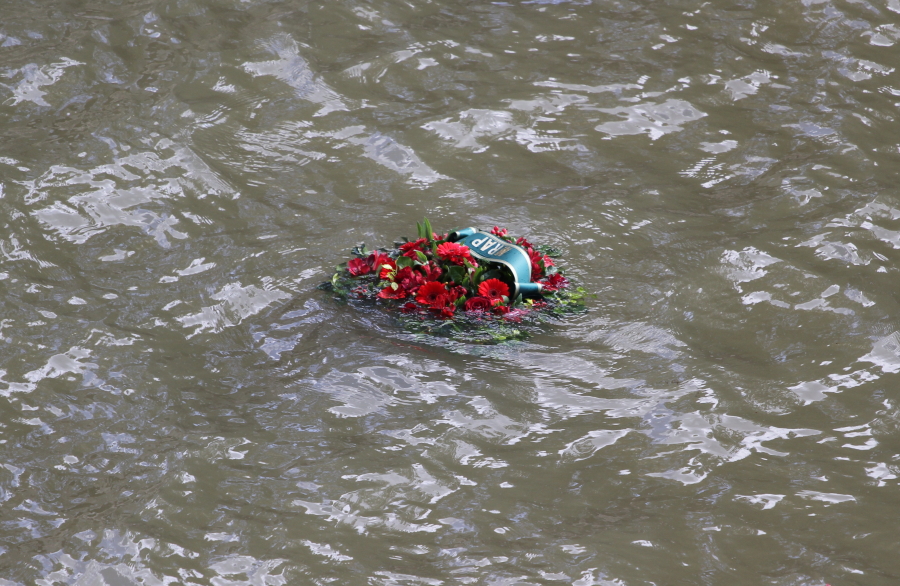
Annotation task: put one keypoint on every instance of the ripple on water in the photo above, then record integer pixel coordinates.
(182, 406)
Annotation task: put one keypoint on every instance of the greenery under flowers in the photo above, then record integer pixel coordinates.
(435, 286)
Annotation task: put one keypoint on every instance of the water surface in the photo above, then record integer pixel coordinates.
(179, 404)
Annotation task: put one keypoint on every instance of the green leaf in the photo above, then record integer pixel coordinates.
(457, 274)
(428, 230)
(492, 274)
(404, 261)
(420, 230)
(421, 256)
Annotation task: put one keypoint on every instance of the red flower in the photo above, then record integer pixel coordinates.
(409, 280)
(417, 245)
(376, 259)
(493, 289)
(445, 312)
(514, 315)
(454, 253)
(501, 309)
(391, 293)
(388, 269)
(358, 267)
(431, 271)
(409, 307)
(539, 263)
(433, 294)
(411, 249)
(498, 232)
(478, 304)
(554, 282)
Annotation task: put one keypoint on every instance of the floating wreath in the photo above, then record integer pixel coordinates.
(469, 285)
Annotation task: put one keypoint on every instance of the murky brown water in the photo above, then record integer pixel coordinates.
(179, 404)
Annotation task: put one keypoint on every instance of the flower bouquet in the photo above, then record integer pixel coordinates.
(481, 287)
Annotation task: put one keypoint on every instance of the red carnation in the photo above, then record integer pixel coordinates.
(431, 271)
(358, 267)
(391, 293)
(454, 253)
(388, 269)
(478, 304)
(411, 249)
(409, 280)
(432, 294)
(416, 245)
(445, 312)
(376, 259)
(554, 282)
(515, 315)
(493, 289)
(539, 263)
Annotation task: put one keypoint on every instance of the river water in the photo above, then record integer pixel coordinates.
(180, 404)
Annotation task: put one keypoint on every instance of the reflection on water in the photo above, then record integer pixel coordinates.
(181, 405)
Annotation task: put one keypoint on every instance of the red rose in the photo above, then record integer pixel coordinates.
(493, 289)
(358, 267)
(454, 253)
(432, 294)
(478, 304)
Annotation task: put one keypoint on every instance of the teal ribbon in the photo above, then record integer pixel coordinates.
(488, 248)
